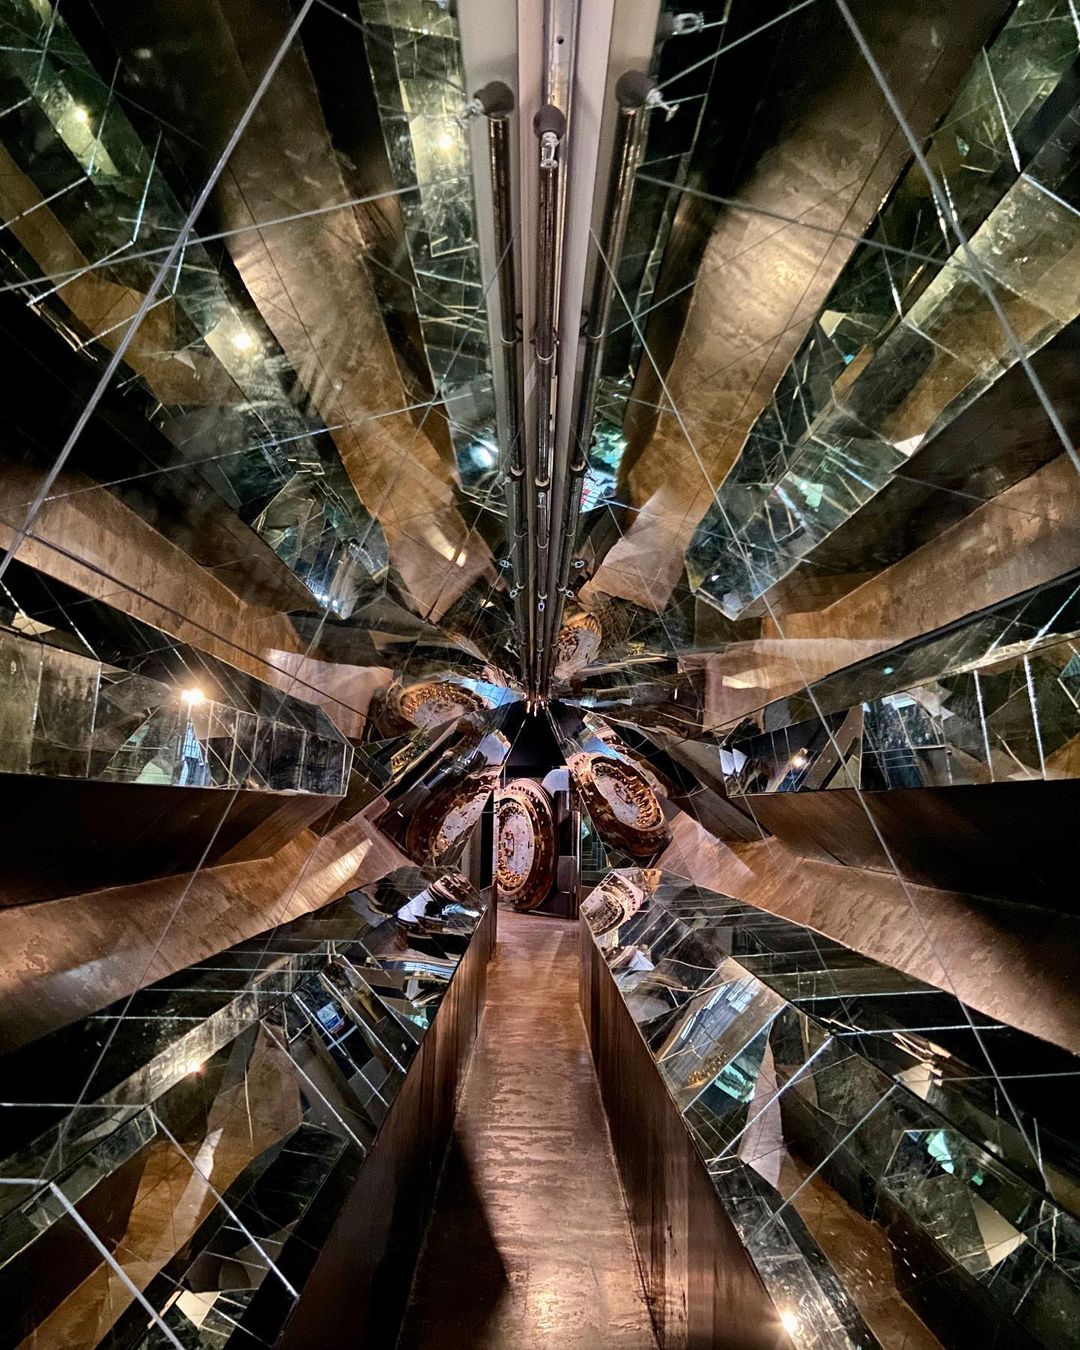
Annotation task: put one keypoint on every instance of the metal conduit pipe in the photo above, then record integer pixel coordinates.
(550, 127)
(635, 93)
(497, 102)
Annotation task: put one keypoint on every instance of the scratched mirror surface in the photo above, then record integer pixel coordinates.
(851, 1120)
(472, 463)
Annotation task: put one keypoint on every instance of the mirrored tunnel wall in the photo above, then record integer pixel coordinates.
(810, 736)
(822, 643)
(229, 1115)
(849, 1119)
(186, 1129)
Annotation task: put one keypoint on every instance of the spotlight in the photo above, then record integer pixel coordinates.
(192, 696)
(789, 1321)
(80, 113)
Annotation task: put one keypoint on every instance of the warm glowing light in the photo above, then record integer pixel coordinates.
(192, 696)
(444, 141)
(80, 113)
(789, 1321)
(243, 341)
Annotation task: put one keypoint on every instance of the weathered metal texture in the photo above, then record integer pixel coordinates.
(703, 1291)
(356, 1294)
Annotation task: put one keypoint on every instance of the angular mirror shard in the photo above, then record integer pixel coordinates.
(830, 1095)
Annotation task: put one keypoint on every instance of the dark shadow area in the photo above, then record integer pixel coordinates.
(460, 1279)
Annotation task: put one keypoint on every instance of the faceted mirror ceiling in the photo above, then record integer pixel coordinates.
(459, 450)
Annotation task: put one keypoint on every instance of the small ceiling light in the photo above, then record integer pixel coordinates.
(243, 341)
(192, 696)
(80, 113)
(789, 1321)
(798, 759)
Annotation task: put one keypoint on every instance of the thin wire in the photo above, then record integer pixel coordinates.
(735, 42)
(217, 235)
(920, 919)
(147, 301)
(945, 207)
(752, 208)
(273, 444)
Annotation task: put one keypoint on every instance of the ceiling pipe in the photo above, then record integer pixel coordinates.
(550, 128)
(635, 93)
(496, 102)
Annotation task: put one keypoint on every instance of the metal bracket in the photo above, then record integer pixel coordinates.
(655, 99)
(688, 23)
(679, 25)
(549, 149)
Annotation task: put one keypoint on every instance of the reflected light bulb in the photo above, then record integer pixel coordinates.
(80, 113)
(444, 141)
(789, 1321)
(243, 341)
(192, 696)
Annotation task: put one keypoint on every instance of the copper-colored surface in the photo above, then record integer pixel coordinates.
(97, 943)
(822, 170)
(703, 1287)
(1023, 538)
(1030, 981)
(448, 817)
(529, 1243)
(578, 642)
(87, 538)
(526, 855)
(432, 702)
(621, 803)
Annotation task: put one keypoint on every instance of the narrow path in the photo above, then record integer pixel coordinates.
(529, 1244)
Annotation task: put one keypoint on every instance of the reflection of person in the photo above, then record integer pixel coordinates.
(755, 776)
(193, 768)
(160, 760)
(886, 735)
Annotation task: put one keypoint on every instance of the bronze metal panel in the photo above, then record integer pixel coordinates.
(963, 838)
(527, 844)
(357, 1291)
(63, 836)
(703, 1289)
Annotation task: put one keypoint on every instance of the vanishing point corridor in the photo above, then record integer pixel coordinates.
(529, 1244)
